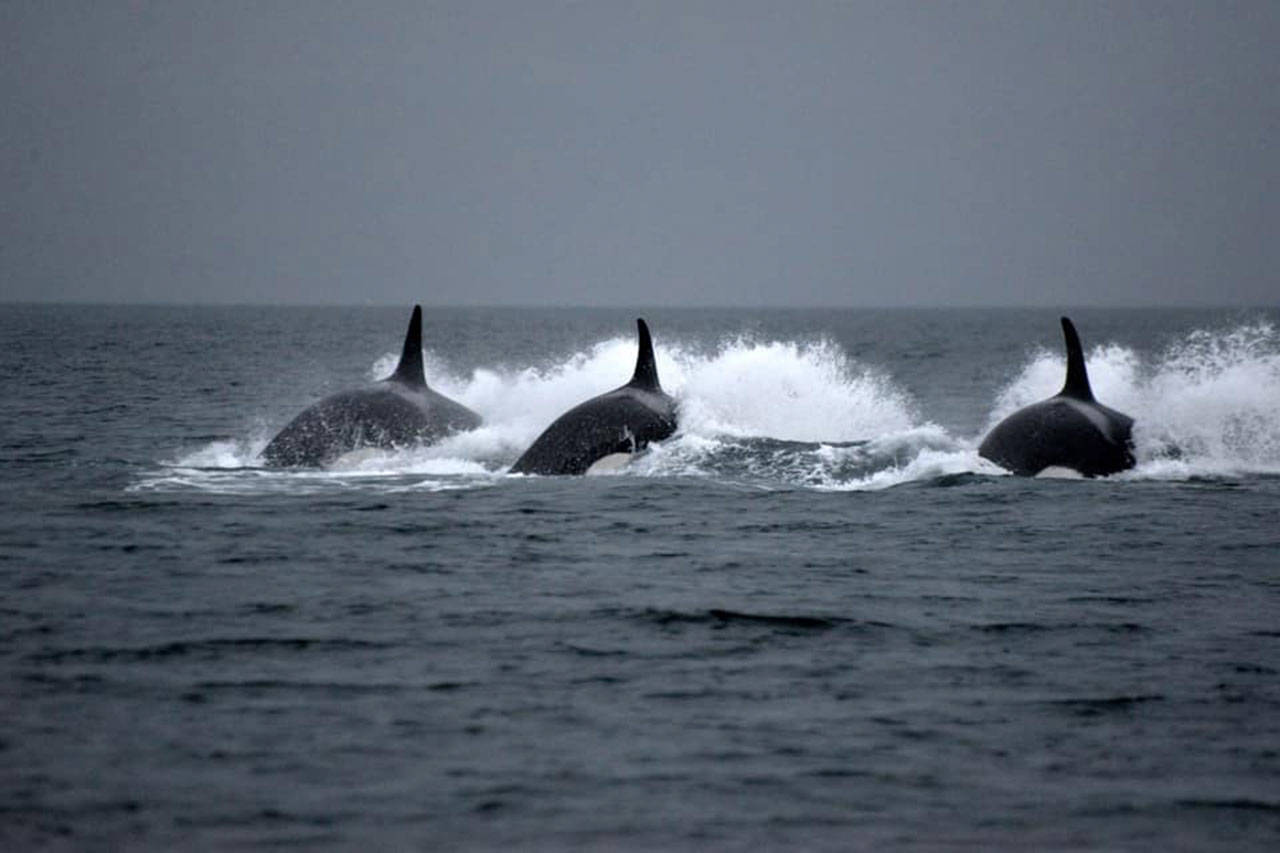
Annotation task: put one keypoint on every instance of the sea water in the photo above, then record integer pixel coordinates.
(812, 618)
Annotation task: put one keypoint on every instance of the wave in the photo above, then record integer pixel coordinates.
(1208, 406)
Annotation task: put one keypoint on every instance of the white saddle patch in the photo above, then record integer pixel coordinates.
(1099, 420)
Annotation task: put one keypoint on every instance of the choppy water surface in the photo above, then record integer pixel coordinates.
(813, 618)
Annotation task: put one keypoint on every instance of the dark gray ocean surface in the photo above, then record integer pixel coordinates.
(812, 619)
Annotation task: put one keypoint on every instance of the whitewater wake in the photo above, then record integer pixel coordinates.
(780, 414)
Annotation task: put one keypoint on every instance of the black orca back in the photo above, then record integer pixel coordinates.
(1069, 430)
(1061, 433)
(623, 420)
(397, 412)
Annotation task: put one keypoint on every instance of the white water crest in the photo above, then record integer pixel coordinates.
(789, 391)
(1213, 403)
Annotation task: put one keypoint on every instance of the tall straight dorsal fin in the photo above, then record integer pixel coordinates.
(1077, 384)
(646, 375)
(410, 370)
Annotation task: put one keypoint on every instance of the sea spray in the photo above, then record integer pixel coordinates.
(789, 391)
(1213, 402)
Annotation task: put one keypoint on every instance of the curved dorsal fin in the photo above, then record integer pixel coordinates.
(646, 375)
(1077, 384)
(410, 370)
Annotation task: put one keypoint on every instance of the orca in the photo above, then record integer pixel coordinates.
(594, 434)
(396, 412)
(1070, 430)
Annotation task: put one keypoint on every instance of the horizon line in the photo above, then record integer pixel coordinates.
(524, 306)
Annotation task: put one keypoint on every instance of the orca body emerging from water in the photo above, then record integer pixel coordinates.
(1070, 430)
(622, 421)
(399, 411)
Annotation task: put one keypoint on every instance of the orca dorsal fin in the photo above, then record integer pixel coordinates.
(410, 370)
(646, 375)
(1077, 384)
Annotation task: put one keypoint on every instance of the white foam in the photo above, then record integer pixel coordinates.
(917, 461)
(785, 390)
(228, 454)
(1214, 401)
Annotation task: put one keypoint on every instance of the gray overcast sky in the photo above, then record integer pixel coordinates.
(646, 153)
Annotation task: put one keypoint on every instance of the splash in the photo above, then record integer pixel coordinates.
(1213, 403)
(919, 453)
(787, 391)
